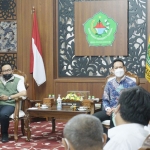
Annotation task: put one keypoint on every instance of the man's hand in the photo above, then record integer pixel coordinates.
(113, 109)
(3, 97)
(109, 111)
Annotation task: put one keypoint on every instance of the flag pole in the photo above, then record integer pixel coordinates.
(33, 82)
(33, 9)
(147, 63)
(36, 60)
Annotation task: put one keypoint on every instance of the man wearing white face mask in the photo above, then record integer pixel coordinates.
(113, 89)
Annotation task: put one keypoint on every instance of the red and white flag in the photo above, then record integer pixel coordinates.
(36, 61)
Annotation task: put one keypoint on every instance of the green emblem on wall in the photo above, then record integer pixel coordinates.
(100, 30)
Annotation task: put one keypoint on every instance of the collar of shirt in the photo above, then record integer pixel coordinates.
(3, 80)
(122, 79)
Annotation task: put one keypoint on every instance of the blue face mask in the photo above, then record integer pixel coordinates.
(113, 118)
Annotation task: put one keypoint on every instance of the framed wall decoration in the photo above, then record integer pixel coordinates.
(8, 36)
(8, 10)
(101, 28)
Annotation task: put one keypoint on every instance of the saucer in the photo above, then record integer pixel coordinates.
(44, 107)
(81, 109)
(33, 108)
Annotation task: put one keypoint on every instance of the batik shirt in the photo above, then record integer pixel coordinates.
(113, 89)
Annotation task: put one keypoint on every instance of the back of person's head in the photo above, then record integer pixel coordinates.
(135, 105)
(84, 132)
(116, 60)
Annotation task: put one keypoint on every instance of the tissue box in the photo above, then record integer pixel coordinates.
(48, 101)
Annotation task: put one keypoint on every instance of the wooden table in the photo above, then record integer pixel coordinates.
(65, 113)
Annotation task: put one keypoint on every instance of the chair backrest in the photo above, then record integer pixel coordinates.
(22, 76)
(132, 76)
(146, 144)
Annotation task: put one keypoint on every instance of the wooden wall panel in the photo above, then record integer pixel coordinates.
(45, 15)
(93, 85)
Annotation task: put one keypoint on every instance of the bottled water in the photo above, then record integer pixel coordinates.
(59, 103)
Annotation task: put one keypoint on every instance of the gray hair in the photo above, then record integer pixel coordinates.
(84, 132)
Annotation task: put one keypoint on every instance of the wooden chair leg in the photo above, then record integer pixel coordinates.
(47, 118)
(53, 124)
(16, 122)
(22, 127)
(27, 128)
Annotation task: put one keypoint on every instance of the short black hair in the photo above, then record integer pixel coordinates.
(135, 105)
(118, 59)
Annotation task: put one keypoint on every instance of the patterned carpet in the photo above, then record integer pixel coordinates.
(41, 138)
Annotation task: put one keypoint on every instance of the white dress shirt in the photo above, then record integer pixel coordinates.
(147, 128)
(126, 137)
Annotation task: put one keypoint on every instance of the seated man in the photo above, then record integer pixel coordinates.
(130, 117)
(84, 132)
(113, 89)
(10, 88)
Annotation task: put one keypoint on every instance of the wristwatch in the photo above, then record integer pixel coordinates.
(9, 97)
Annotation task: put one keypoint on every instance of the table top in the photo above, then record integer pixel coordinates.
(54, 109)
(64, 113)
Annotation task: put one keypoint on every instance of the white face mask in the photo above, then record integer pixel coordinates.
(68, 147)
(113, 119)
(119, 72)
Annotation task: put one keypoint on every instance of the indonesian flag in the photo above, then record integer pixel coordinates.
(147, 71)
(36, 61)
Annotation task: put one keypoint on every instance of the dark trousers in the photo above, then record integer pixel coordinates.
(103, 116)
(5, 112)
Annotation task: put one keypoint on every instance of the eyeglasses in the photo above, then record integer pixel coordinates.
(8, 70)
(66, 141)
(119, 67)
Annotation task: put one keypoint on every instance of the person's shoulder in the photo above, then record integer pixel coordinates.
(1, 78)
(17, 79)
(130, 79)
(110, 80)
(122, 143)
(115, 145)
(110, 83)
